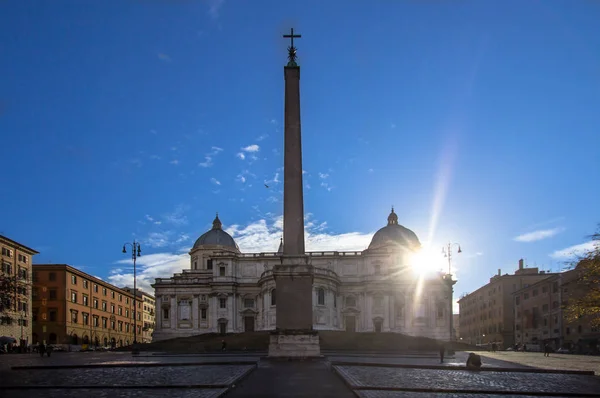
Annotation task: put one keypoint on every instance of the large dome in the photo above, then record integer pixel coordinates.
(216, 236)
(394, 234)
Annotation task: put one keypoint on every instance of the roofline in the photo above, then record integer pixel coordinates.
(74, 270)
(550, 275)
(21, 246)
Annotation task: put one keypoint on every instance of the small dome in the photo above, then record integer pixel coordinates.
(396, 235)
(216, 236)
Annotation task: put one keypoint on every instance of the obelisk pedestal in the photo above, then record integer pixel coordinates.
(294, 336)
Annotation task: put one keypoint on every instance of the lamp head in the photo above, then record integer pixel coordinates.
(459, 249)
(124, 250)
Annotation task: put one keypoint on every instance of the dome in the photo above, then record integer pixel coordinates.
(395, 234)
(216, 236)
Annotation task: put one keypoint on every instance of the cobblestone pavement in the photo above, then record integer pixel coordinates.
(397, 394)
(468, 380)
(111, 393)
(554, 361)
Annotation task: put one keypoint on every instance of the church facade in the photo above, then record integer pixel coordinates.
(374, 290)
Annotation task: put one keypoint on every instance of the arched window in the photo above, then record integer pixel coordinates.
(273, 297)
(321, 296)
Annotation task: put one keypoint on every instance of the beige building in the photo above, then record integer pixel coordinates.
(487, 314)
(456, 326)
(146, 315)
(540, 318)
(73, 308)
(15, 306)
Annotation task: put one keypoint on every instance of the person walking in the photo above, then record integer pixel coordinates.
(547, 350)
(442, 351)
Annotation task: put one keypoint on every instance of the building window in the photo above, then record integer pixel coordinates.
(52, 276)
(377, 269)
(440, 311)
(126, 313)
(96, 322)
(86, 318)
(273, 297)
(321, 296)
(165, 313)
(96, 303)
(104, 306)
(85, 284)
(112, 308)
(203, 313)
(104, 323)
(74, 316)
(95, 288)
(221, 271)
(120, 310)
(104, 291)
(517, 300)
(112, 294)
(52, 315)
(52, 294)
(6, 252)
(120, 297)
(350, 301)
(74, 297)
(209, 264)
(222, 303)
(85, 300)
(73, 279)
(535, 292)
(248, 303)
(195, 264)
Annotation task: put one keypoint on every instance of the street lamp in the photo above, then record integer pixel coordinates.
(447, 251)
(136, 251)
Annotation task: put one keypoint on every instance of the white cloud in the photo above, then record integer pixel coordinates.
(273, 121)
(207, 162)
(323, 175)
(251, 148)
(538, 235)
(157, 239)
(175, 162)
(215, 181)
(575, 250)
(241, 178)
(241, 155)
(262, 137)
(208, 158)
(307, 186)
(149, 267)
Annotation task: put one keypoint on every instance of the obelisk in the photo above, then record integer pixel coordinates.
(294, 335)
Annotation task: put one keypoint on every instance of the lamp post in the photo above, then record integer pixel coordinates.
(22, 342)
(447, 251)
(136, 251)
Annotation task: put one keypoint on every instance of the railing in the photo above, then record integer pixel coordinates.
(275, 255)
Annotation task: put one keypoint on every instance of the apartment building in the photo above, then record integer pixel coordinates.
(146, 307)
(15, 305)
(74, 308)
(540, 318)
(487, 314)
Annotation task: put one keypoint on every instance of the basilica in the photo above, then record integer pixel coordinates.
(374, 290)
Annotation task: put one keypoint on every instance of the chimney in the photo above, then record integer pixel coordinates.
(499, 272)
(521, 264)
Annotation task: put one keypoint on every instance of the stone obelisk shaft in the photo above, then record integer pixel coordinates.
(293, 197)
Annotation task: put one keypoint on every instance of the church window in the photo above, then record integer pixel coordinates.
(273, 297)
(221, 271)
(203, 313)
(440, 311)
(165, 313)
(222, 303)
(321, 296)
(377, 269)
(195, 264)
(209, 264)
(350, 301)
(249, 303)
(203, 297)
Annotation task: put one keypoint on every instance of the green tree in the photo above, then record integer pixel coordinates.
(8, 290)
(583, 300)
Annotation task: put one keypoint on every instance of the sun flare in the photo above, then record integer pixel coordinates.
(427, 262)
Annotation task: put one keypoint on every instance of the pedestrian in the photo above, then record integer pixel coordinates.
(223, 345)
(547, 350)
(442, 350)
(473, 361)
(42, 349)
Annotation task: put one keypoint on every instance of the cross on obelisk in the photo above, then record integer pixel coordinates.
(294, 275)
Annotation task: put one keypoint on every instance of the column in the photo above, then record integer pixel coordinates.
(174, 314)
(195, 313)
(386, 313)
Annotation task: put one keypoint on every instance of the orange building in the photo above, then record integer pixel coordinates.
(75, 308)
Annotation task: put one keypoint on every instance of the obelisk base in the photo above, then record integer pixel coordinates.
(294, 336)
(294, 344)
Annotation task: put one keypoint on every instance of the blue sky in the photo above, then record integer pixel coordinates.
(477, 120)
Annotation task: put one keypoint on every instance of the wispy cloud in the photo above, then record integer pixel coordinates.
(154, 157)
(241, 155)
(177, 217)
(538, 235)
(575, 251)
(214, 8)
(164, 57)
(175, 162)
(323, 176)
(262, 137)
(215, 181)
(152, 220)
(251, 148)
(208, 158)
